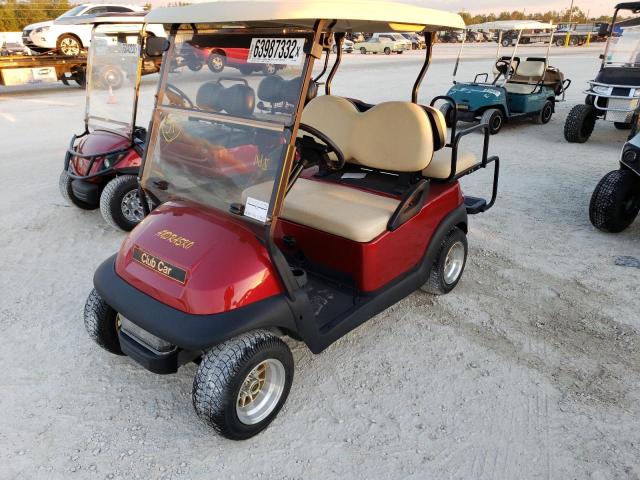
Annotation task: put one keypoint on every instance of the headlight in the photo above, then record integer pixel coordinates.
(41, 29)
(602, 90)
(630, 155)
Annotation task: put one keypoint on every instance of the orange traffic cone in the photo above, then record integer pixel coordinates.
(111, 99)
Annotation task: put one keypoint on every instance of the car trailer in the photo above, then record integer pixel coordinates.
(26, 69)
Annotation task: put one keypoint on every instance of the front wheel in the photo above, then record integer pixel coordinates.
(447, 112)
(449, 264)
(387, 51)
(363, 50)
(241, 384)
(615, 201)
(102, 323)
(494, 118)
(580, 124)
(120, 203)
(545, 114)
(66, 190)
(195, 65)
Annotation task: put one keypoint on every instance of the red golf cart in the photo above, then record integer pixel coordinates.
(300, 216)
(101, 165)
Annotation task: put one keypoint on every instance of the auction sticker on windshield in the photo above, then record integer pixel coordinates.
(284, 51)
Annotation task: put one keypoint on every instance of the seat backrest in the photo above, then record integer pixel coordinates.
(531, 69)
(393, 136)
(438, 127)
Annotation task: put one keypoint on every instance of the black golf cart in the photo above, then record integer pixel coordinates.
(614, 95)
(615, 202)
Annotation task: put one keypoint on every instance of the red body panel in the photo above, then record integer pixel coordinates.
(100, 141)
(372, 265)
(234, 56)
(227, 266)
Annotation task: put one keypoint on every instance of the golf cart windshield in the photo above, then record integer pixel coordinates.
(226, 100)
(624, 48)
(113, 72)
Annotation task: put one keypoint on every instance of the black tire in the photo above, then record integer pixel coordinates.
(221, 374)
(560, 42)
(216, 62)
(245, 70)
(438, 282)
(546, 113)
(195, 65)
(580, 124)
(387, 51)
(101, 322)
(615, 201)
(622, 125)
(506, 42)
(363, 50)
(400, 52)
(269, 69)
(447, 111)
(64, 184)
(69, 45)
(120, 204)
(494, 118)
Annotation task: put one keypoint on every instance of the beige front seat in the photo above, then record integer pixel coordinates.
(526, 77)
(392, 136)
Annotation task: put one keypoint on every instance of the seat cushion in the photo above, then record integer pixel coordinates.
(520, 88)
(440, 166)
(337, 209)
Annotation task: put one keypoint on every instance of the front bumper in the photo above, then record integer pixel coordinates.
(187, 331)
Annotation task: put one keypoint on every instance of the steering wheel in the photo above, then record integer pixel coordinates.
(178, 97)
(504, 68)
(328, 147)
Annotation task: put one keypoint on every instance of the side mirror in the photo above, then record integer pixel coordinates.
(156, 46)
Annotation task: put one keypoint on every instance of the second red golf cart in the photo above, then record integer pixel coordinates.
(281, 213)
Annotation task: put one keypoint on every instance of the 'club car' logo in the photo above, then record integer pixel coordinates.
(159, 266)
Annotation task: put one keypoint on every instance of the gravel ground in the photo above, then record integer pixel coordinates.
(528, 370)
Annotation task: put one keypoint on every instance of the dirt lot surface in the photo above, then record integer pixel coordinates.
(528, 370)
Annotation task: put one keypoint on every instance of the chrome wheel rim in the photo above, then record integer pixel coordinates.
(270, 69)
(260, 391)
(453, 263)
(217, 62)
(132, 207)
(69, 46)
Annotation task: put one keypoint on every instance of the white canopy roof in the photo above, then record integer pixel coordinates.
(511, 25)
(127, 18)
(350, 15)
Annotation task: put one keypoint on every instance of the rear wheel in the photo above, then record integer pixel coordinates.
(216, 62)
(241, 384)
(615, 201)
(387, 51)
(580, 124)
(363, 50)
(269, 69)
(69, 45)
(494, 118)
(102, 323)
(64, 184)
(546, 113)
(120, 203)
(449, 264)
(195, 65)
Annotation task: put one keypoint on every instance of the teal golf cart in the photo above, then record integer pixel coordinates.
(517, 87)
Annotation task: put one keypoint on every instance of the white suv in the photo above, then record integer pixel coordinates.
(69, 39)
